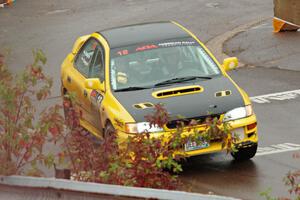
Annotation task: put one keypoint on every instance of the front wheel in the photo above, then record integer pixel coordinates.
(245, 153)
(109, 130)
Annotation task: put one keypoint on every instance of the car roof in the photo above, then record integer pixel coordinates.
(142, 33)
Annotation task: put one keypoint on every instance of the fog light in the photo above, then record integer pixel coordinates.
(239, 133)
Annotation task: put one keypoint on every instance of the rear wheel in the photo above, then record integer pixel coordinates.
(245, 153)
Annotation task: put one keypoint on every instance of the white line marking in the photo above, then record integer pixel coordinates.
(279, 96)
(57, 11)
(212, 5)
(277, 148)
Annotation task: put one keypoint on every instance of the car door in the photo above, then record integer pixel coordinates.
(76, 77)
(97, 70)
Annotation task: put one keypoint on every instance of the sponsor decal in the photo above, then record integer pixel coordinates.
(99, 98)
(93, 93)
(96, 98)
(146, 47)
(176, 43)
(123, 52)
(155, 45)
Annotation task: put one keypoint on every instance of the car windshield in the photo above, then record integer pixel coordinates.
(148, 65)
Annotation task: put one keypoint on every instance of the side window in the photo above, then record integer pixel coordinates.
(97, 67)
(84, 58)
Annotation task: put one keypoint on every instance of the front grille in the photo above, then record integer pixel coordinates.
(187, 121)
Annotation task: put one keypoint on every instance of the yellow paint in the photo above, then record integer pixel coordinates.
(78, 43)
(111, 109)
(214, 146)
(230, 63)
(94, 84)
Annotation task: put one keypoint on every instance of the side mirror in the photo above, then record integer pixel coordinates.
(94, 84)
(230, 63)
(78, 43)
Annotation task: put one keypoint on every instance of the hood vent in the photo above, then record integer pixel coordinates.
(143, 105)
(223, 93)
(177, 91)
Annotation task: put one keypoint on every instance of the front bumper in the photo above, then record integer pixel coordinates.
(247, 125)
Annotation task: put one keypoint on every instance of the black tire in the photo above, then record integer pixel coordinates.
(245, 153)
(110, 138)
(108, 130)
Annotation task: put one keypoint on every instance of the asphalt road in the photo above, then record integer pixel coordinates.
(259, 46)
(54, 25)
(277, 122)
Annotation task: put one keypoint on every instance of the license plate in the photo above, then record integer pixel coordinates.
(192, 145)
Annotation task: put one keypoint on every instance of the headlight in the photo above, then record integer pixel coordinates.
(238, 113)
(142, 127)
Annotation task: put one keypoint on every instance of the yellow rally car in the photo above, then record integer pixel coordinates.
(119, 74)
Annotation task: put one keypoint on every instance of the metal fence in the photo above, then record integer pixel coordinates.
(20, 187)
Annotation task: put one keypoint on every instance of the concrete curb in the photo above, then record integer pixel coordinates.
(216, 44)
(104, 189)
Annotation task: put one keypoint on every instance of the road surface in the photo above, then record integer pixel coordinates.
(271, 66)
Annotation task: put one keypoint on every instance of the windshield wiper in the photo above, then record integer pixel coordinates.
(181, 79)
(131, 89)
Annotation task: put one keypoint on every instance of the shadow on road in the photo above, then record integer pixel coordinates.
(219, 173)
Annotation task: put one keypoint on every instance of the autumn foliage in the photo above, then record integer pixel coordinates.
(292, 181)
(23, 130)
(142, 160)
(138, 163)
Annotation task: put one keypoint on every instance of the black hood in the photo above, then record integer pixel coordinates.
(188, 106)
